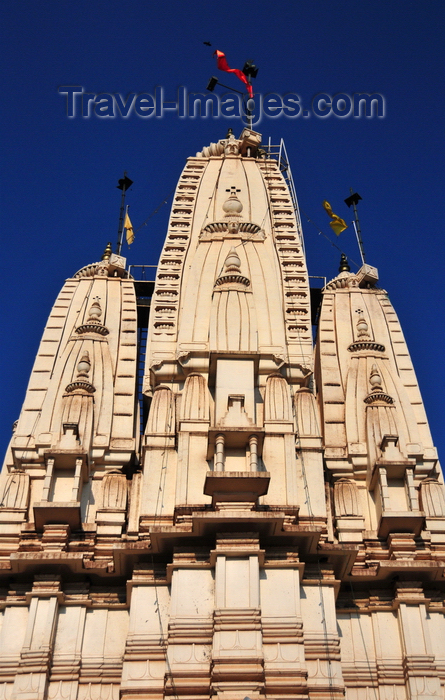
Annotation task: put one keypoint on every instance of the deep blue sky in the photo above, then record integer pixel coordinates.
(59, 199)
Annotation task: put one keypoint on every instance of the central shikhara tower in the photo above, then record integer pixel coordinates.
(276, 526)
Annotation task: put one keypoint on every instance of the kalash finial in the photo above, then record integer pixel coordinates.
(232, 262)
(344, 265)
(107, 252)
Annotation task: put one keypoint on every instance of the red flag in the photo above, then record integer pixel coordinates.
(221, 62)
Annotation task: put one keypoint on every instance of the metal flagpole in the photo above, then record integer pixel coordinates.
(123, 184)
(249, 111)
(358, 241)
(354, 200)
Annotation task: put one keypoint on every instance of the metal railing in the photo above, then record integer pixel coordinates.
(142, 270)
(279, 153)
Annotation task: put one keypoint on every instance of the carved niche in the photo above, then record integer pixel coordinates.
(114, 491)
(16, 493)
(277, 403)
(306, 411)
(432, 498)
(346, 498)
(195, 398)
(161, 419)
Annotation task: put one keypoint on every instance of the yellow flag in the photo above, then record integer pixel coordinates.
(337, 224)
(130, 231)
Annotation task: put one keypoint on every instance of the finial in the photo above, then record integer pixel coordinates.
(95, 311)
(81, 384)
(232, 206)
(362, 326)
(232, 272)
(229, 133)
(232, 261)
(93, 324)
(377, 394)
(344, 265)
(84, 366)
(107, 252)
(375, 379)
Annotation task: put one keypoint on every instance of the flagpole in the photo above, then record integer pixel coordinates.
(249, 112)
(354, 199)
(124, 184)
(123, 225)
(358, 241)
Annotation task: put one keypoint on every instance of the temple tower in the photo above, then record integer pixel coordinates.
(275, 527)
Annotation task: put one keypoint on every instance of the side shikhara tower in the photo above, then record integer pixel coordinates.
(275, 528)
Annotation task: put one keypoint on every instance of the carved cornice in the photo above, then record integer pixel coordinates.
(92, 328)
(366, 345)
(221, 226)
(379, 396)
(232, 278)
(80, 385)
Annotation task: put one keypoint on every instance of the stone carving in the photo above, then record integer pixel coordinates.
(16, 491)
(81, 383)
(103, 269)
(114, 491)
(161, 418)
(195, 398)
(306, 412)
(342, 281)
(98, 691)
(182, 356)
(252, 611)
(377, 394)
(277, 403)
(287, 233)
(233, 321)
(233, 208)
(93, 324)
(164, 322)
(232, 273)
(216, 149)
(243, 230)
(364, 342)
(432, 499)
(346, 498)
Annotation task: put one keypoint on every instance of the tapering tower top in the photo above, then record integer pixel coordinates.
(232, 201)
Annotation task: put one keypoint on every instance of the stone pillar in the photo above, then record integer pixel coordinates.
(388, 649)
(422, 680)
(219, 453)
(76, 494)
(65, 669)
(253, 447)
(282, 625)
(48, 479)
(144, 665)
(135, 506)
(191, 625)
(237, 642)
(31, 680)
(321, 641)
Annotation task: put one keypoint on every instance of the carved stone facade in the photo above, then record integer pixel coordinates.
(276, 527)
